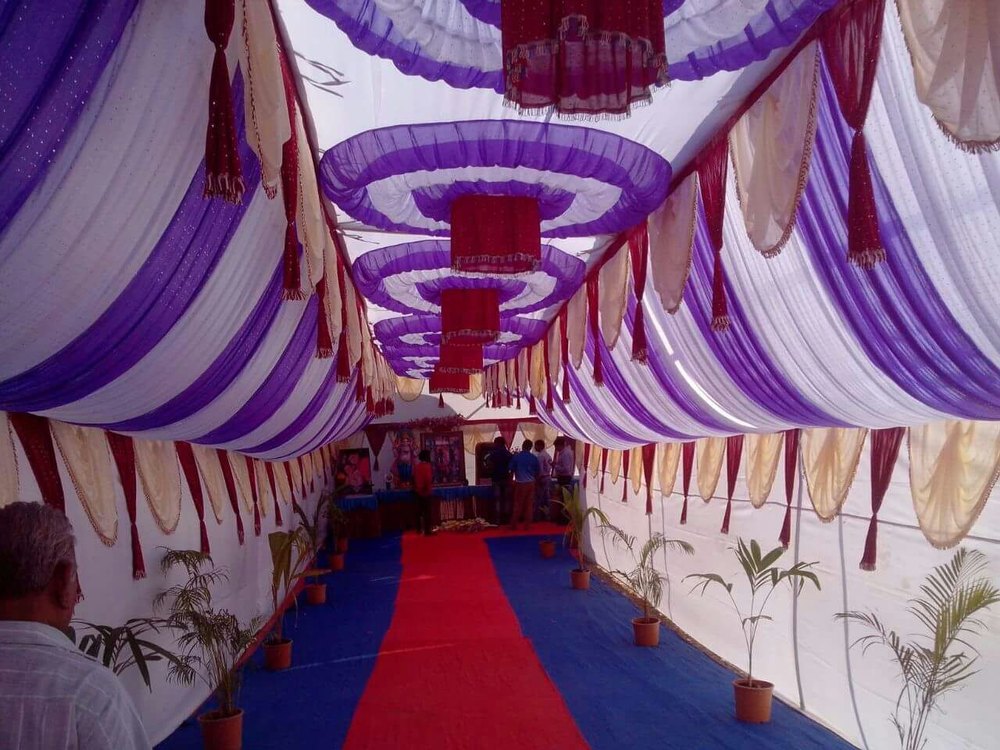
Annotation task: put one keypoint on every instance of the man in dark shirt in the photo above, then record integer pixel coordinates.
(525, 466)
(423, 476)
(498, 461)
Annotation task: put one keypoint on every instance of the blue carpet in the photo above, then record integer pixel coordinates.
(312, 704)
(673, 696)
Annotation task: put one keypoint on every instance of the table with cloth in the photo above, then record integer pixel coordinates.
(398, 508)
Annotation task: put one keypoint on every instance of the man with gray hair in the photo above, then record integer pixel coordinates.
(52, 696)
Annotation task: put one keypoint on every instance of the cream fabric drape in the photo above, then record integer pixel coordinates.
(830, 458)
(613, 283)
(354, 341)
(160, 475)
(537, 374)
(956, 66)
(595, 460)
(555, 357)
(576, 326)
(761, 457)
(10, 491)
(511, 376)
(668, 456)
(212, 479)
(310, 222)
(954, 465)
(539, 431)
(475, 391)
(88, 461)
(281, 482)
(266, 109)
(523, 370)
(771, 146)
(264, 497)
(296, 477)
(472, 435)
(635, 468)
(409, 389)
(614, 465)
(671, 235)
(367, 350)
(242, 476)
(709, 454)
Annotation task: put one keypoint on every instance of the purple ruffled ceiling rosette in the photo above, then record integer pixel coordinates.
(409, 278)
(458, 41)
(403, 178)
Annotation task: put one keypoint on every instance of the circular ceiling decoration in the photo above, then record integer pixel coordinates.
(403, 178)
(410, 277)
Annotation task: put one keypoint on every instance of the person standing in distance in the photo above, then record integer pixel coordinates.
(498, 463)
(52, 696)
(525, 467)
(423, 477)
(544, 490)
(565, 463)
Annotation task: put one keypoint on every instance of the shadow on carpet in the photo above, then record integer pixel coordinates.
(674, 696)
(336, 644)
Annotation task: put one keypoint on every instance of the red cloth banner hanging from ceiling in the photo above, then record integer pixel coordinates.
(587, 447)
(638, 245)
(712, 167)
(33, 432)
(791, 465)
(885, 450)
(626, 461)
(564, 349)
(448, 382)
(254, 495)
(583, 57)
(495, 234)
(593, 320)
(734, 452)
(234, 500)
(461, 360)
(269, 470)
(186, 458)
(470, 316)
(648, 462)
(604, 468)
(851, 41)
(223, 172)
(123, 451)
(687, 464)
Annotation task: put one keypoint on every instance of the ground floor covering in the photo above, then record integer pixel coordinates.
(475, 641)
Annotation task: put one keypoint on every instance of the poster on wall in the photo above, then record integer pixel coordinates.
(354, 471)
(447, 451)
(404, 457)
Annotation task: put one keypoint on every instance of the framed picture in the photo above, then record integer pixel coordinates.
(447, 451)
(354, 471)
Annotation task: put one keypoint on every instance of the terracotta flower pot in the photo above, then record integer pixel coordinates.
(647, 631)
(337, 561)
(278, 655)
(548, 548)
(753, 701)
(316, 593)
(342, 545)
(221, 732)
(580, 579)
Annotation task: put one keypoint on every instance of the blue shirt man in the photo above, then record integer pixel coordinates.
(525, 466)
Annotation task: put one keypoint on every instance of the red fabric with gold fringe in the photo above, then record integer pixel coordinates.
(223, 171)
(495, 234)
(470, 317)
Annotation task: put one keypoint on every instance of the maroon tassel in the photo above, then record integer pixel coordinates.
(369, 401)
(324, 341)
(565, 385)
(684, 510)
(626, 460)
(593, 309)
(720, 310)
(640, 347)
(586, 463)
(123, 451)
(712, 168)
(343, 366)
(302, 477)
(186, 458)
(638, 243)
(291, 484)
(531, 406)
(33, 432)
(548, 376)
(734, 453)
(604, 469)
(253, 494)
(726, 517)
(290, 263)
(292, 279)
(564, 348)
(687, 464)
(598, 366)
(885, 450)
(648, 464)
(791, 460)
(234, 500)
(359, 386)
(441, 401)
(864, 242)
(223, 172)
(269, 470)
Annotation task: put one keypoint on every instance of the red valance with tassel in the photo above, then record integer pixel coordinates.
(791, 466)
(234, 499)
(885, 451)
(648, 462)
(292, 279)
(712, 167)
(190, 468)
(448, 382)
(851, 40)
(547, 366)
(687, 465)
(626, 460)
(33, 432)
(495, 234)
(223, 172)
(593, 312)
(604, 468)
(470, 317)
(254, 495)
(586, 463)
(302, 476)
(324, 339)
(460, 360)
(269, 470)
(564, 348)
(123, 451)
(734, 453)
(638, 245)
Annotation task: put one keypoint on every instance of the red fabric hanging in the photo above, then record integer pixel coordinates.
(586, 463)
(291, 485)
(470, 316)
(564, 348)
(123, 451)
(648, 462)
(507, 429)
(712, 167)
(223, 172)
(343, 350)
(851, 40)
(495, 234)
(33, 432)
(376, 434)
(885, 451)
(292, 278)
(269, 469)
(448, 382)
(548, 374)
(638, 245)
(626, 460)
(582, 57)
(532, 409)
(234, 499)
(190, 468)
(251, 472)
(687, 464)
(460, 360)
(593, 311)
(791, 465)
(517, 380)
(359, 382)
(604, 469)
(324, 340)
(734, 452)
(302, 476)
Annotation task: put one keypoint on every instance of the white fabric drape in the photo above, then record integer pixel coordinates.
(281, 482)
(475, 391)
(160, 475)
(576, 326)
(9, 484)
(761, 456)
(595, 460)
(614, 465)
(709, 454)
(635, 468)
(555, 357)
(88, 461)
(771, 146)
(668, 456)
(830, 458)
(613, 283)
(671, 234)
(409, 389)
(212, 478)
(954, 465)
(242, 476)
(537, 371)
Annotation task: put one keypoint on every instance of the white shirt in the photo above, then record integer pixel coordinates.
(544, 464)
(53, 697)
(565, 462)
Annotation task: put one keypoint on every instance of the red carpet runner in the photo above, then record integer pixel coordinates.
(454, 670)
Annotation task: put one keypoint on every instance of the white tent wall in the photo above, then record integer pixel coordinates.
(804, 650)
(111, 596)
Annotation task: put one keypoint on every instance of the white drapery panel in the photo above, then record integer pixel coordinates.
(264, 496)
(88, 461)
(830, 458)
(212, 479)
(671, 234)
(160, 475)
(612, 296)
(635, 474)
(576, 326)
(761, 456)
(614, 465)
(409, 389)
(709, 453)
(668, 456)
(596, 452)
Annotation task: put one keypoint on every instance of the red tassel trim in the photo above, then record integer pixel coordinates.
(864, 243)
(343, 366)
(223, 172)
(786, 528)
(565, 384)
(871, 545)
(186, 457)
(290, 263)
(727, 516)
(640, 347)
(593, 309)
(531, 406)
(324, 341)
(441, 401)
(269, 470)
(256, 519)
(123, 452)
(359, 387)
(684, 511)
(720, 310)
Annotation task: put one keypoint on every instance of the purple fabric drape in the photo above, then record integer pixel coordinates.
(885, 451)
(791, 466)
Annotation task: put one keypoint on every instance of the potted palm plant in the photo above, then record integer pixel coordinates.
(337, 521)
(930, 663)
(547, 547)
(290, 553)
(753, 697)
(311, 529)
(123, 647)
(578, 515)
(211, 643)
(644, 579)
